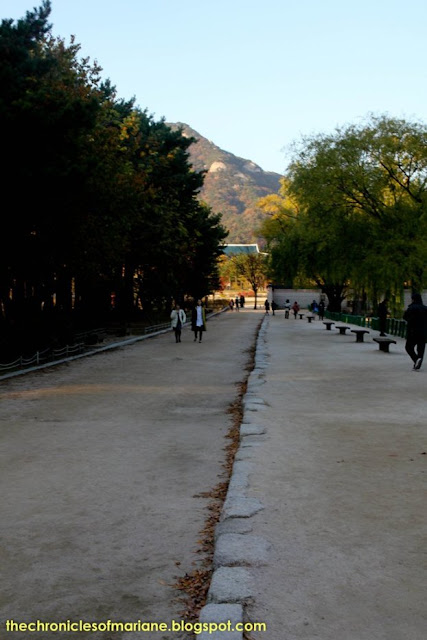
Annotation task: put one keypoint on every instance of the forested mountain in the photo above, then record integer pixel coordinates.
(232, 186)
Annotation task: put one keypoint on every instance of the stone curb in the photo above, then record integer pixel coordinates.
(240, 550)
(237, 506)
(236, 549)
(251, 430)
(228, 614)
(231, 584)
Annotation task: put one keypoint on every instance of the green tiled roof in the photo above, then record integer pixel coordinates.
(235, 249)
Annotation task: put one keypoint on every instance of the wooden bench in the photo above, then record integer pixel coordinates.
(342, 330)
(310, 318)
(328, 324)
(360, 334)
(301, 315)
(384, 343)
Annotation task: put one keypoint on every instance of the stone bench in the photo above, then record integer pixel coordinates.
(360, 334)
(342, 330)
(310, 318)
(384, 343)
(328, 324)
(301, 315)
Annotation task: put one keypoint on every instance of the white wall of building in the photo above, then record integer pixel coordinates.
(304, 297)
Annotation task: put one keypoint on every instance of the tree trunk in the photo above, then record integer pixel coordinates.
(336, 294)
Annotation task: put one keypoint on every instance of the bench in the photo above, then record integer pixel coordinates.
(310, 318)
(328, 324)
(384, 343)
(360, 334)
(301, 315)
(342, 330)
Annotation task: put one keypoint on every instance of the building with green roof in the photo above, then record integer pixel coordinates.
(237, 249)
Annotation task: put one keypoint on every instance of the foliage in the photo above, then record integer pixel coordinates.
(252, 267)
(101, 201)
(359, 217)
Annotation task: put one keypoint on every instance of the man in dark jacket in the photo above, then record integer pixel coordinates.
(416, 318)
(382, 316)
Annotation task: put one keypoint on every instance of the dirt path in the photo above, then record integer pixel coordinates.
(100, 463)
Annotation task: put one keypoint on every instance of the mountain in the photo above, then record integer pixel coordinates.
(232, 186)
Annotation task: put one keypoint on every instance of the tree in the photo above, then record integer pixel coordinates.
(252, 267)
(101, 198)
(361, 221)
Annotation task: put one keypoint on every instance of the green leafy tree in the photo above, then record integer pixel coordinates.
(252, 267)
(361, 194)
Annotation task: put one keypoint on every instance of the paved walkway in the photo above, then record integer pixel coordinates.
(323, 531)
(332, 467)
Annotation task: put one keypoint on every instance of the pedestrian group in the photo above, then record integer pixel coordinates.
(198, 321)
(415, 316)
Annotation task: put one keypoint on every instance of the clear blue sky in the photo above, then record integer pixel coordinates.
(254, 75)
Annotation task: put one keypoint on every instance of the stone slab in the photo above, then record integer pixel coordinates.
(251, 430)
(231, 585)
(241, 507)
(233, 549)
(228, 614)
(233, 525)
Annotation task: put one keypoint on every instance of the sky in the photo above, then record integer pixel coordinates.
(254, 76)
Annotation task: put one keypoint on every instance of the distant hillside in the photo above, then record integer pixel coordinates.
(232, 186)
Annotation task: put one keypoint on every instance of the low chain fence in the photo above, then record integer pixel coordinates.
(84, 340)
(157, 327)
(42, 357)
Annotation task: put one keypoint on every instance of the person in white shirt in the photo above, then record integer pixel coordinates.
(178, 318)
(198, 320)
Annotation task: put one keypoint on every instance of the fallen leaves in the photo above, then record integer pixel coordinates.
(195, 585)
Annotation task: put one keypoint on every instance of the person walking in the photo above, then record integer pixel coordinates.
(231, 304)
(321, 309)
(416, 318)
(178, 318)
(287, 306)
(198, 320)
(295, 309)
(267, 308)
(237, 303)
(382, 316)
(274, 307)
